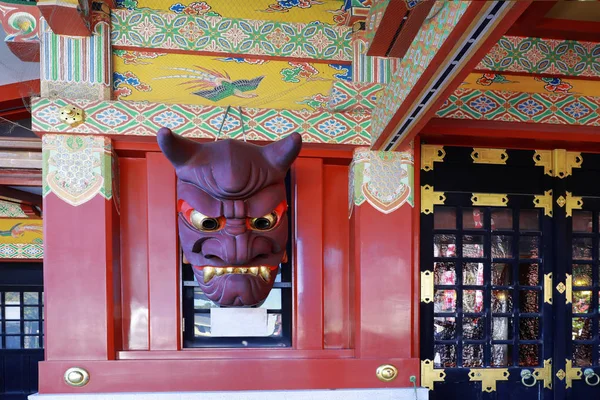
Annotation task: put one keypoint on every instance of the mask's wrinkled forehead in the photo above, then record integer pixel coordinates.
(229, 169)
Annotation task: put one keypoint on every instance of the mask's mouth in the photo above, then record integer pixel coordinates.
(262, 271)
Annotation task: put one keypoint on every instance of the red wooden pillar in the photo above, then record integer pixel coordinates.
(81, 252)
(382, 250)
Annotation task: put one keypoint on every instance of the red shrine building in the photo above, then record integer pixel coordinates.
(300, 199)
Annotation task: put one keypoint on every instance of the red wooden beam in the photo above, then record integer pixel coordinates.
(393, 18)
(443, 74)
(409, 29)
(22, 33)
(65, 17)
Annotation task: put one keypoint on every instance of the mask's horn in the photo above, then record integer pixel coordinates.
(178, 150)
(283, 152)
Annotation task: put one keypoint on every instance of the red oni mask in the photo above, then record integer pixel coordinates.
(233, 224)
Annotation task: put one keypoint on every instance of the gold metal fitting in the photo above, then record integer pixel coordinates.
(387, 373)
(72, 115)
(77, 377)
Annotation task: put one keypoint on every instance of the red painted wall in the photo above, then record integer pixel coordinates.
(354, 290)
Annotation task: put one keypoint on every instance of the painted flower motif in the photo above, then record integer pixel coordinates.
(534, 55)
(337, 97)
(49, 115)
(320, 41)
(279, 125)
(332, 127)
(571, 58)
(235, 35)
(169, 119)
(191, 31)
(229, 125)
(111, 117)
(483, 104)
(577, 110)
(146, 29)
(497, 54)
(278, 38)
(530, 107)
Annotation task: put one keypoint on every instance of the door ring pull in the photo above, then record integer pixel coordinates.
(527, 375)
(590, 374)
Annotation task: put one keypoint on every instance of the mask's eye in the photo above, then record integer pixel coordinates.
(264, 223)
(202, 222)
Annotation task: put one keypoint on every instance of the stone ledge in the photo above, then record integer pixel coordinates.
(358, 394)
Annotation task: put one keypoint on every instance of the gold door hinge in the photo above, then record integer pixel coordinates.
(544, 201)
(430, 154)
(489, 199)
(489, 156)
(566, 288)
(548, 288)
(488, 377)
(557, 163)
(430, 198)
(544, 373)
(426, 286)
(569, 289)
(571, 374)
(570, 203)
(430, 375)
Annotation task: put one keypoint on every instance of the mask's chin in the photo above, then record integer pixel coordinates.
(236, 286)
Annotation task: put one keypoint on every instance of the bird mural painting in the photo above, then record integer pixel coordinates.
(216, 86)
(19, 230)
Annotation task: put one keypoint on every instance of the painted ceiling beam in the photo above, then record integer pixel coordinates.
(144, 119)
(151, 30)
(65, 17)
(451, 42)
(537, 56)
(21, 25)
(539, 108)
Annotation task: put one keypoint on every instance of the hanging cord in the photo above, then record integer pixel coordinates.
(413, 379)
(225, 118)
(242, 122)
(222, 123)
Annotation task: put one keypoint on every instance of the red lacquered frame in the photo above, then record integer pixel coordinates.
(117, 315)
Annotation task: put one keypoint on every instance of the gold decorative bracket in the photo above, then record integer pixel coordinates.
(430, 198)
(488, 377)
(569, 289)
(489, 199)
(557, 163)
(430, 154)
(548, 288)
(426, 286)
(544, 373)
(430, 375)
(571, 374)
(544, 201)
(573, 203)
(489, 156)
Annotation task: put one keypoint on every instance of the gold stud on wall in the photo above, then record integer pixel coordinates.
(387, 373)
(77, 377)
(72, 115)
